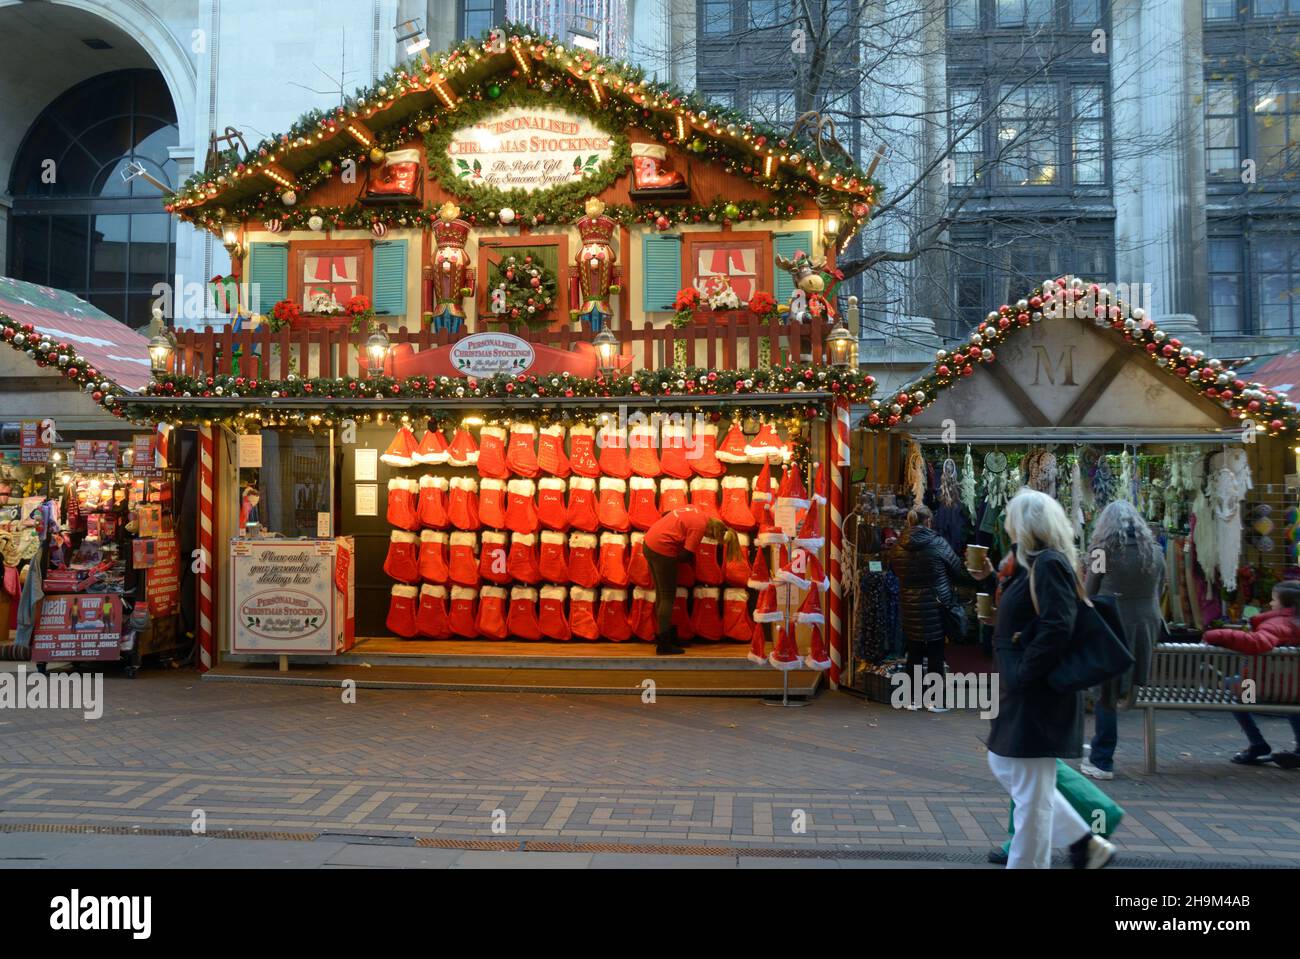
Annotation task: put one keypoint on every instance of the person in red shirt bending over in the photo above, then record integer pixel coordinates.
(673, 539)
(1278, 626)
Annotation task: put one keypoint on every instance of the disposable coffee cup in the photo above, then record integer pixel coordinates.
(975, 557)
(984, 605)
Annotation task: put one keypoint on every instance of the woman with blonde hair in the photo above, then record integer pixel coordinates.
(673, 539)
(1124, 562)
(1035, 725)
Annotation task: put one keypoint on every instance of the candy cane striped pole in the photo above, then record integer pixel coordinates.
(207, 575)
(839, 466)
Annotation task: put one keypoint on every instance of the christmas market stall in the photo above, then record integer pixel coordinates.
(1072, 392)
(497, 315)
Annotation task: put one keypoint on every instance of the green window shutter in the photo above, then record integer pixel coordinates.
(390, 278)
(661, 270)
(268, 274)
(786, 245)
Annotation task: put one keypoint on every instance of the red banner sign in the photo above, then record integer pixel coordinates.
(78, 627)
(35, 441)
(95, 456)
(164, 584)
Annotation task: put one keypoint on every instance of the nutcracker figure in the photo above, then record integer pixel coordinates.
(453, 278)
(597, 275)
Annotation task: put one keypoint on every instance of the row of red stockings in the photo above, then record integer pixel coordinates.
(620, 452)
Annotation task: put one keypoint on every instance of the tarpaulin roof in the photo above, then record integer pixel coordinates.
(1281, 372)
(117, 351)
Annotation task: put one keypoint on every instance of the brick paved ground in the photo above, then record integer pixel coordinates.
(602, 770)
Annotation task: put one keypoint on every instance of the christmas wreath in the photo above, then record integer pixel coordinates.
(523, 290)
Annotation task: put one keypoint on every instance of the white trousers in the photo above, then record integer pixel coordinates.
(1043, 818)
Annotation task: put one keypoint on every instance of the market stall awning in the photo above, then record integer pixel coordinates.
(118, 352)
(1281, 372)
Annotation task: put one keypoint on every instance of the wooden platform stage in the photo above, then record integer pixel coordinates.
(706, 669)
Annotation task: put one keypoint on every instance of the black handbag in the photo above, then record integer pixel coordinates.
(1095, 654)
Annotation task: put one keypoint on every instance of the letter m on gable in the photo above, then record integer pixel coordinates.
(1064, 365)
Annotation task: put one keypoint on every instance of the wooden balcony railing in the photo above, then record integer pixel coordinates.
(738, 342)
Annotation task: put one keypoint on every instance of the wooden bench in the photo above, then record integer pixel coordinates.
(1195, 676)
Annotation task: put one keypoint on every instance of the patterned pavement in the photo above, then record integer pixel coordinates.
(838, 778)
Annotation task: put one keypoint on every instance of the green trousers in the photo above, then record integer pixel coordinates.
(1086, 799)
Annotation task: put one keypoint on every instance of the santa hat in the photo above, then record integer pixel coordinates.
(769, 534)
(432, 448)
(816, 575)
(757, 646)
(819, 485)
(759, 577)
(810, 610)
(672, 495)
(732, 449)
(817, 657)
(810, 534)
(401, 450)
(767, 610)
(791, 491)
(521, 455)
(492, 452)
(766, 447)
(463, 451)
(792, 569)
(763, 485)
(786, 654)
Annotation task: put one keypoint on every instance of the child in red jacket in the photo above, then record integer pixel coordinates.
(1280, 626)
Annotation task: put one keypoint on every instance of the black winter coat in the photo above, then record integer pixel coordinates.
(1033, 720)
(927, 569)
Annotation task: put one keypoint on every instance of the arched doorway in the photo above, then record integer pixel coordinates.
(75, 224)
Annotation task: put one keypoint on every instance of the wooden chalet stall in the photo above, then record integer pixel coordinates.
(460, 279)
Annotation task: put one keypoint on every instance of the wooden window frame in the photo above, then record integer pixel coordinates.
(693, 242)
(299, 250)
(489, 255)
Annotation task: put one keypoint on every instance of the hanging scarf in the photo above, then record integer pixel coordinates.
(1076, 499)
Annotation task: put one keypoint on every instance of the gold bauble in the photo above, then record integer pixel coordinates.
(377, 155)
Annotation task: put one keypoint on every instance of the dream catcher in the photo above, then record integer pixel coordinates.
(1124, 490)
(1040, 471)
(997, 481)
(1231, 482)
(949, 485)
(1104, 484)
(968, 482)
(1076, 498)
(1205, 539)
(1088, 460)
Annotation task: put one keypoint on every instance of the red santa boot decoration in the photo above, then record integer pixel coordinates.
(401, 611)
(769, 534)
(611, 618)
(492, 613)
(673, 456)
(643, 452)
(582, 505)
(553, 559)
(673, 494)
(551, 457)
(521, 620)
(431, 620)
(463, 451)
(732, 450)
(681, 620)
(736, 624)
(521, 456)
(817, 657)
(810, 610)
(613, 452)
(814, 572)
(551, 619)
(702, 453)
(735, 571)
(462, 565)
(582, 560)
(638, 569)
(766, 447)
(582, 451)
(704, 496)
(641, 509)
(706, 617)
(612, 506)
(402, 511)
(492, 455)
(462, 612)
(401, 451)
(759, 577)
(613, 560)
(767, 610)
(552, 511)
(791, 492)
(819, 486)
(810, 535)
(431, 507)
(522, 563)
(735, 509)
(793, 569)
(462, 503)
(433, 556)
(651, 174)
(432, 450)
(582, 614)
(402, 562)
(707, 570)
(786, 654)
(494, 558)
(757, 646)
(492, 503)
(521, 506)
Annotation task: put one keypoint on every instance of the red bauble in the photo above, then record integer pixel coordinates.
(873, 418)
(1275, 425)
(1182, 371)
(1167, 350)
(967, 370)
(943, 371)
(1151, 348)
(1003, 323)
(1212, 392)
(1253, 406)
(97, 396)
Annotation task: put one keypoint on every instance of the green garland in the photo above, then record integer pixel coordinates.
(525, 303)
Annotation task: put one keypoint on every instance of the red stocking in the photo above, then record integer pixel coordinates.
(552, 512)
(521, 457)
(551, 620)
(582, 505)
(613, 560)
(553, 564)
(402, 562)
(431, 620)
(433, 556)
(582, 451)
(521, 621)
(493, 561)
(582, 613)
(550, 451)
(492, 453)
(582, 560)
(491, 620)
(463, 616)
(522, 564)
(612, 618)
(492, 503)
(401, 611)
(432, 508)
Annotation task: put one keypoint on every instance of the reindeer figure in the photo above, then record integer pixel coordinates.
(808, 300)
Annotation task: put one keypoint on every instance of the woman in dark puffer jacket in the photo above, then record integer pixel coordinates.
(927, 570)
